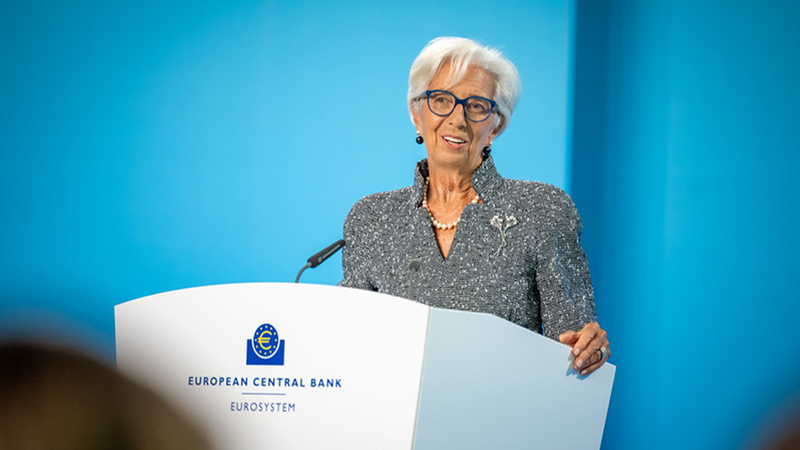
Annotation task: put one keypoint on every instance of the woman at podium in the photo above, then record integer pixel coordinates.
(462, 236)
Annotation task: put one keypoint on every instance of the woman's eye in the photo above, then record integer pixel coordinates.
(477, 107)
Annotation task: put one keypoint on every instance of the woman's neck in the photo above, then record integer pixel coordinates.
(449, 187)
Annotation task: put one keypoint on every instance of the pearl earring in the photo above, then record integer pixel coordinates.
(419, 139)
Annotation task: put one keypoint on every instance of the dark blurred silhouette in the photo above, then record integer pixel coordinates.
(790, 440)
(59, 399)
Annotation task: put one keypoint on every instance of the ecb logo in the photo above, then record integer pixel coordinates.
(266, 348)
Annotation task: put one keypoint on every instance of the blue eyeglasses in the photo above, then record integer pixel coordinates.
(442, 103)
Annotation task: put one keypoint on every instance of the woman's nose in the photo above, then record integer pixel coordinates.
(459, 116)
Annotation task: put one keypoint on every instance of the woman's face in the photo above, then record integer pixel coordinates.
(454, 142)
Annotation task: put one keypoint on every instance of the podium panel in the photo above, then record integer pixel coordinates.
(349, 377)
(488, 383)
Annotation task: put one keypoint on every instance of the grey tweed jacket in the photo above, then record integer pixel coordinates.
(517, 255)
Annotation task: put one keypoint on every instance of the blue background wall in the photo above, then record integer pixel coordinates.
(150, 146)
(686, 150)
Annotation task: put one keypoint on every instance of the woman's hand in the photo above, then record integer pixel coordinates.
(586, 346)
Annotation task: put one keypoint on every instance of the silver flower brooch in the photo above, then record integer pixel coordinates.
(502, 225)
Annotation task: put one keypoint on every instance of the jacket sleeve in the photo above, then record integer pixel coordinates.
(562, 273)
(356, 253)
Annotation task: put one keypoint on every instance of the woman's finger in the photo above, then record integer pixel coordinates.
(568, 337)
(598, 361)
(587, 349)
(585, 336)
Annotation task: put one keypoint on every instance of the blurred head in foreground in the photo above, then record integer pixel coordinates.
(54, 399)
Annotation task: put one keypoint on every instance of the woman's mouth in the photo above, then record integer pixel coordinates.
(453, 142)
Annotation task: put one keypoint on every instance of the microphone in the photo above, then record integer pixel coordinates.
(320, 257)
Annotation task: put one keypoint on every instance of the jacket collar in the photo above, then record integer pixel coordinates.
(485, 180)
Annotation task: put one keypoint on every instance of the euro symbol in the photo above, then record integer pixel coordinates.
(262, 339)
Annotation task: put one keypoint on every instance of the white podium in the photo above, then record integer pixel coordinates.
(297, 366)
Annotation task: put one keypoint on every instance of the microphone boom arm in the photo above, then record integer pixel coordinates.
(320, 257)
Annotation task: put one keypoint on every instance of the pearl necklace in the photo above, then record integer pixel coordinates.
(436, 223)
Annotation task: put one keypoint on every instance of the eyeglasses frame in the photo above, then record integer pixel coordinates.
(463, 103)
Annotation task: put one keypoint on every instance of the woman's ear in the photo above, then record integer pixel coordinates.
(415, 118)
(498, 129)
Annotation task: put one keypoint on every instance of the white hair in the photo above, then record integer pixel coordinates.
(462, 53)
